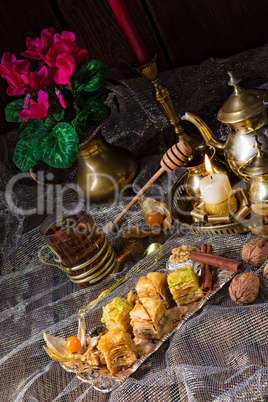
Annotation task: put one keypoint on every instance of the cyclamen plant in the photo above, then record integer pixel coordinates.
(62, 98)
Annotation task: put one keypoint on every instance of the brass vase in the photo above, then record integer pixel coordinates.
(103, 169)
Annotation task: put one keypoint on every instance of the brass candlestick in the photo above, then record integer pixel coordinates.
(162, 96)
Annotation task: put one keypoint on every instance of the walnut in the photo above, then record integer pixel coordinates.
(255, 252)
(244, 288)
(265, 271)
(180, 254)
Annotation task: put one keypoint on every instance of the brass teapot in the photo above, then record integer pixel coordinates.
(245, 115)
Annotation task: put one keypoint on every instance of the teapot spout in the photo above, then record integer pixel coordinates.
(204, 130)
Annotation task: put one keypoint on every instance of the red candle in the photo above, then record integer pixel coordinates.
(130, 31)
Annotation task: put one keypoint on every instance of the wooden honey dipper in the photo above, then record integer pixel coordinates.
(175, 157)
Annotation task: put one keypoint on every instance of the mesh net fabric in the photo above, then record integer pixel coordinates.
(219, 354)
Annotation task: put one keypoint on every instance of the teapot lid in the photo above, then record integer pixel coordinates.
(257, 166)
(241, 105)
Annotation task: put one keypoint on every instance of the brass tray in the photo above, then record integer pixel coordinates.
(182, 205)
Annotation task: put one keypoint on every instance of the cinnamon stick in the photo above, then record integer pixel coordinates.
(203, 250)
(216, 261)
(207, 278)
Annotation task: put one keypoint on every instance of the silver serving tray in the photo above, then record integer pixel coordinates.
(103, 381)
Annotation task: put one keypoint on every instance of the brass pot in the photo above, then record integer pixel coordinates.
(103, 169)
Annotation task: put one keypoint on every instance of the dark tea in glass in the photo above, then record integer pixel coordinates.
(79, 246)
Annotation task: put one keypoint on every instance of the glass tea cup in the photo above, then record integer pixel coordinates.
(80, 249)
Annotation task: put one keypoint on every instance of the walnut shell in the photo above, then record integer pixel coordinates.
(244, 288)
(255, 252)
(265, 271)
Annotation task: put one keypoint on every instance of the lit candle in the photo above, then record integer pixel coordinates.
(130, 31)
(217, 192)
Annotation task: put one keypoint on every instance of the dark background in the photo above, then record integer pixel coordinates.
(180, 32)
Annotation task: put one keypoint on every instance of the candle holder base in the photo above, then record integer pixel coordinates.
(223, 207)
(185, 211)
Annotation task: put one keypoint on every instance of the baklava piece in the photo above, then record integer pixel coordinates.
(184, 286)
(118, 350)
(116, 314)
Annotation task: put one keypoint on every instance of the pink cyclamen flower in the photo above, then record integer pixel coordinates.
(63, 70)
(16, 73)
(7, 62)
(47, 36)
(63, 56)
(80, 55)
(37, 110)
(38, 47)
(27, 101)
(38, 79)
(59, 52)
(68, 38)
(54, 52)
(61, 98)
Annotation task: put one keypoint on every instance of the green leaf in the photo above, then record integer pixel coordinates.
(25, 155)
(89, 75)
(59, 147)
(35, 129)
(47, 126)
(24, 123)
(101, 94)
(12, 110)
(58, 114)
(56, 109)
(69, 112)
(82, 98)
(30, 133)
(81, 125)
(98, 111)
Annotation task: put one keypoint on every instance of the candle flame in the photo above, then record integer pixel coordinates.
(208, 164)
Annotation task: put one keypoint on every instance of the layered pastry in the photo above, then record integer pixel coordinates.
(132, 297)
(184, 285)
(156, 311)
(159, 281)
(116, 314)
(154, 285)
(132, 324)
(118, 350)
(145, 288)
(142, 324)
(148, 318)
